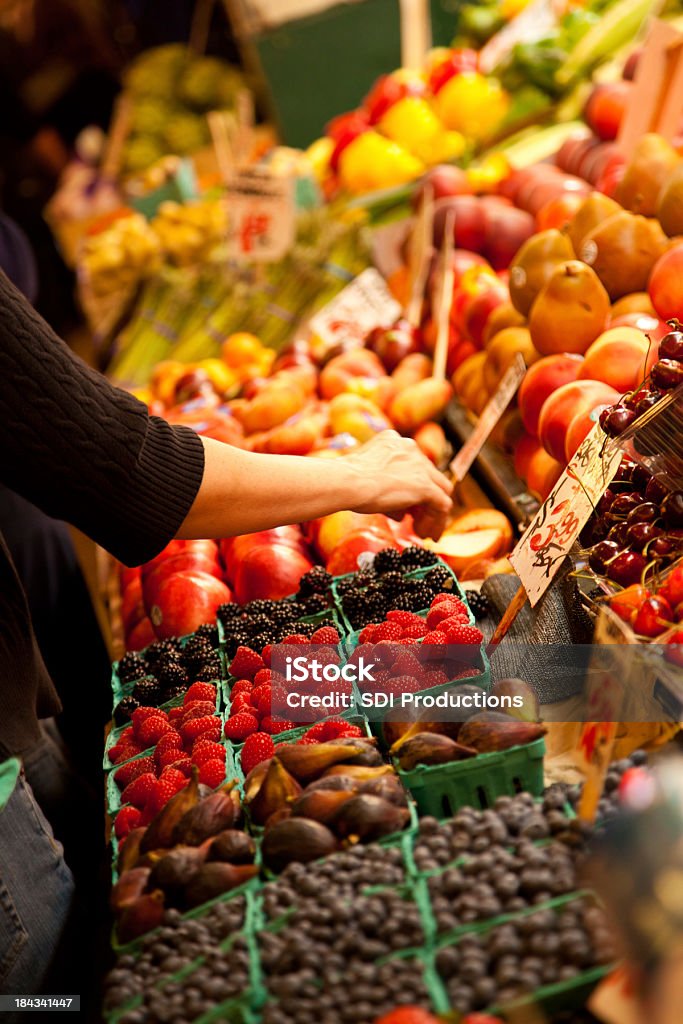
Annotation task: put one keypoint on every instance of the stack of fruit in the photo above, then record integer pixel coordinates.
(655, 614)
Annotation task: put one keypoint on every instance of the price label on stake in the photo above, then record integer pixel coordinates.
(444, 300)
(549, 537)
(419, 254)
(490, 415)
(364, 304)
(261, 221)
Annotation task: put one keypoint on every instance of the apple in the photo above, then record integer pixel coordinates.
(619, 357)
(132, 605)
(506, 230)
(477, 311)
(297, 353)
(141, 636)
(666, 284)
(605, 107)
(445, 180)
(540, 380)
(392, 344)
(573, 149)
(233, 549)
(344, 557)
(563, 405)
(184, 561)
(185, 601)
(470, 228)
(201, 548)
(270, 571)
(127, 574)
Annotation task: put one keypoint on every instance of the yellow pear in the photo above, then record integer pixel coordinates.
(622, 251)
(652, 161)
(571, 310)
(533, 265)
(593, 210)
(670, 202)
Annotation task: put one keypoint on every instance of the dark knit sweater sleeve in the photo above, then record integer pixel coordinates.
(83, 450)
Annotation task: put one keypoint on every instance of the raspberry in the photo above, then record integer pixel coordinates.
(445, 610)
(204, 750)
(126, 820)
(139, 790)
(367, 633)
(212, 772)
(325, 635)
(123, 752)
(275, 726)
(327, 656)
(407, 640)
(241, 686)
(169, 741)
(406, 664)
(404, 618)
(303, 741)
(128, 734)
(261, 699)
(242, 702)
(127, 772)
(463, 633)
(433, 678)
(435, 637)
(141, 715)
(176, 715)
(238, 727)
(197, 709)
(266, 654)
(335, 728)
(184, 765)
(402, 684)
(171, 782)
(264, 675)
(246, 663)
(415, 631)
(152, 729)
(387, 631)
(445, 596)
(296, 638)
(201, 691)
(257, 747)
(315, 733)
(208, 726)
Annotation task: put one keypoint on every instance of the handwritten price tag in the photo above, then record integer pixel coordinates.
(490, 415)
(362, 305)
(566, 510)
(261, 220)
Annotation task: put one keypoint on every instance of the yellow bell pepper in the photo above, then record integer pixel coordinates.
(472, 104)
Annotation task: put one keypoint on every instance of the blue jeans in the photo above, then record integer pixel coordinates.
(36, 892)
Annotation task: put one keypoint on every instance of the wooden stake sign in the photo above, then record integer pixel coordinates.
(444, 300)
(416, 33)
(657, 94)
(419, 255)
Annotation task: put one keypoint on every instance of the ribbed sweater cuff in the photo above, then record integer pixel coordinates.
(163, 487)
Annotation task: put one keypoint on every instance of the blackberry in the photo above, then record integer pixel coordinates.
(284, 613)
(210, 633)
(171, 673)
(387, 560)
(478, 602)
(416, 558)
(124, 709)
(316, 581)
(403, 603)
(210, 669)
(392, 584)
(236, 638)
(132, 666)
(147, 691)
(346, 586)
(263, 639)
(257, 607)
(421, 596)
(227, 612)
(439, 579)
(196, 650)
(315, 603)
(175, 692)
(255, 624)
(157, 650)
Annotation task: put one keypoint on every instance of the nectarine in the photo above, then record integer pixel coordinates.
(563, 405)
(543, 473)
(618, 357)
(420, 403)
(540, 380)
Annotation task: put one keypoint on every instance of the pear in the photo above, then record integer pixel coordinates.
(593, 210)
(533, 265)
(623, 250)
(670, 202)
(652, 161)
(570, 311)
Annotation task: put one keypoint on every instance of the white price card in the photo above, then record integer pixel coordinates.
(261, 216)
(493, 410)
(556, 526)
(364, 304)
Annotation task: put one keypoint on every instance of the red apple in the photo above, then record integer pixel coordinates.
(185, 601)
(392, 344)
(478, 310)
(470, 229)
(141, 636)
(445, 180)
(540, 380)
(233, 549)
(132, 605)
(208, 548)
(506, 230)
(127, 574)
(270, 571)
(184, 561)
(573, 149)
(345, 556)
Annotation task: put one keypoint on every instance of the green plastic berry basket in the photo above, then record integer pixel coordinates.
(439, 790)
(121, 690)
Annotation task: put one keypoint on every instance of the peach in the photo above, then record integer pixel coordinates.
(618, 357)
(476, 519)
(478, 310)
(415, 367)
(459, 550)
(296, 436)
(360, 362)
(665, 286)
(560, 408)
(328, 532)
(525, 450)
(241, 348)
(379, 390)
(501, 352)
(543, 473)
(345, 556)
(580, 427)
(432, 441)
(419, 403)
(357, 416)
(486, 567)
(272, 406)
(540, 380)
(163, 380)
(457, 355)
(503, 316)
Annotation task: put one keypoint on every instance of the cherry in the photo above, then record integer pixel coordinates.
(639, 535)
(623, 504)
(627, 568)
(646, 512)
(618, 420)
(646, 402)
(674, 648)
(657, 488)
(627, 602)
(667, 374)
(673, 587)
(661, 547)
(653, 617)
(605, 502)
(641, 476)
(619, 534)
(671, 346)
(601, 555)
(672, 509)
(678, 612)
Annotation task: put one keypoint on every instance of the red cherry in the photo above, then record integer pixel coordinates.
(671, 346)
(628, 567)
(674, 648)
(628, 601)
(667, 374)
(672, 590)
(653, 617)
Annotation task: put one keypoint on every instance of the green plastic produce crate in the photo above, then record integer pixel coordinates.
(439, 790)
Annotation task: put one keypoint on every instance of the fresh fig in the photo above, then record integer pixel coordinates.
(359, 772)
(297, 839)
(277, 816)
(233, 846)
(217, 812)
(491, 730)
(177, 869)
(130, 887)
(517, 689)
(129, 850)
(365, 818)
(277, 789)
(309, 761)
(388, 787)
(333, 782)
(320, 804)
(216, 878)
(431, 748)
(140, 916)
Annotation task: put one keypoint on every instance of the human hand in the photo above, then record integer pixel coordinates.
(398, 478)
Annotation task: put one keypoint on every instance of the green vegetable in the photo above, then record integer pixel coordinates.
(617, 25)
